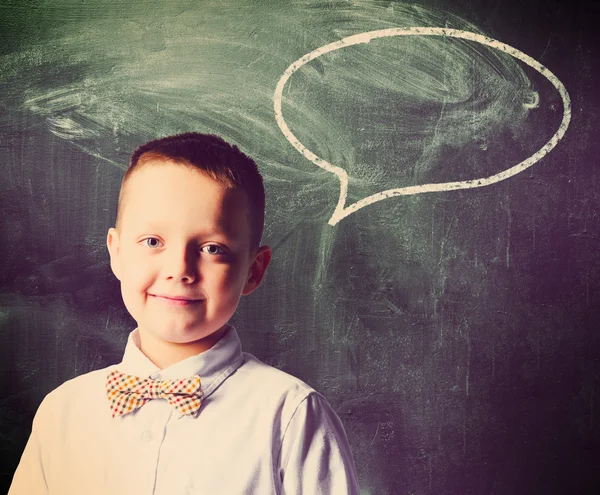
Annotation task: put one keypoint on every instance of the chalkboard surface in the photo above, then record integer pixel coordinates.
(456, 332)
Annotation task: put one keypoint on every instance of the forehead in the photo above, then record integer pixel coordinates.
(162, 192)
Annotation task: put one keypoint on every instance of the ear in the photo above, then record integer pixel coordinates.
(257, 269)
(112, 242)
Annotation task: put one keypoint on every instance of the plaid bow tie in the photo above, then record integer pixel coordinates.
(126, 393)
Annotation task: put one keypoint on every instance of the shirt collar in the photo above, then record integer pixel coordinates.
(214, 365)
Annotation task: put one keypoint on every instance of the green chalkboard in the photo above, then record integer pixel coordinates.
(432, 205)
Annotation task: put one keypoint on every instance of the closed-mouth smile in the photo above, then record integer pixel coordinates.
(176, 300)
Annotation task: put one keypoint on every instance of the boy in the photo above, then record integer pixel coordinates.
(186, 411)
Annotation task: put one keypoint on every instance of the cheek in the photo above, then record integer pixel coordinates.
(133, 290)
(227, 279)
(137, 276)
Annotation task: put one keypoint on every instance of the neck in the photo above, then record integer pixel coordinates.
(164, 354)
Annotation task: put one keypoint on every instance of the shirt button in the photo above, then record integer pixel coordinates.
(147, 436)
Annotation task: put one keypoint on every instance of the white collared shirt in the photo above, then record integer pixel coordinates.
(259, 431)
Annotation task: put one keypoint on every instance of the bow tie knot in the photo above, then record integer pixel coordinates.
(126, 393)
(161, 389)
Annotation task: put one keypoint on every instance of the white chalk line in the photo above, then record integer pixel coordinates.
(341, 211)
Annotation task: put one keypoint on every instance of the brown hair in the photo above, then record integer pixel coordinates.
(214, 157)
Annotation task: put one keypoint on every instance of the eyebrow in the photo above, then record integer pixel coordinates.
(155, 227)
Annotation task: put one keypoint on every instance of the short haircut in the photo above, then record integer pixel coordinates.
(215, 158)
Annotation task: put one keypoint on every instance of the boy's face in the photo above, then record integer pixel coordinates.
(182, 254)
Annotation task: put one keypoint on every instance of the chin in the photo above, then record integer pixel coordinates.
(183, 335)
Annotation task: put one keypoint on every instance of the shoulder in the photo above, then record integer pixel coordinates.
(82, 385)
(268, 380)
(78, 395)
(311, 447)
(271, 389)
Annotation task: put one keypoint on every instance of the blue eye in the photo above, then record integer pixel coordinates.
(152, 242)
(212, 249)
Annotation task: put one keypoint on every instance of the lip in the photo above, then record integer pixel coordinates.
(177, 300)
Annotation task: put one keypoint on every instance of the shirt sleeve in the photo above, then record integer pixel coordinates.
(29, 478)
(315, 454)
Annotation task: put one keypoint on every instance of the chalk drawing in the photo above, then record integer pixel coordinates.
(341, 210)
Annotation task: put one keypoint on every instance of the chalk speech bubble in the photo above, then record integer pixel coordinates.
(342, 211)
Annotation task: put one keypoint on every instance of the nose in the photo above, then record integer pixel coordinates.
(181, 264)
